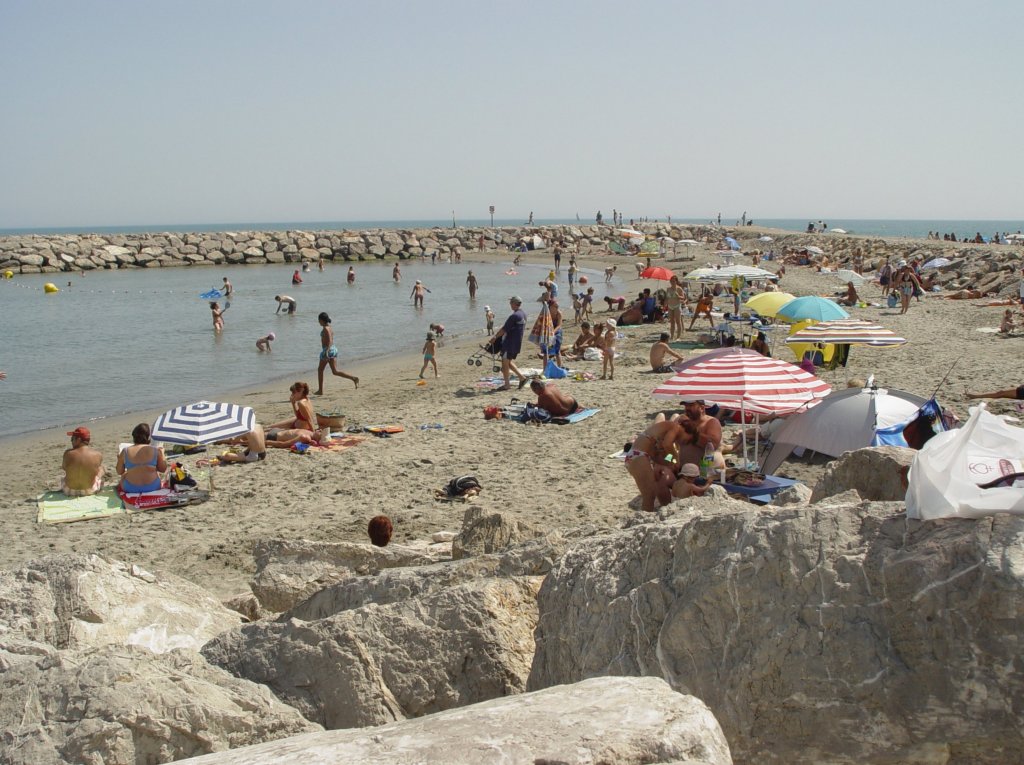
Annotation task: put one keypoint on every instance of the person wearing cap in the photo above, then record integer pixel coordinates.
(511, 334)
(82, 465)
(489, 318)
(690, 484)
(263, 344)
(417, 293)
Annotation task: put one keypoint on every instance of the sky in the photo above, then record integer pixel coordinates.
(119, 112)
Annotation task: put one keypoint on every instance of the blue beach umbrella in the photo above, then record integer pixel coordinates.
(203, 423)
(811, 307)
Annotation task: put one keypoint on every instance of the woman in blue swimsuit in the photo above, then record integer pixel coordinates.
(141, 464)
(329, 354)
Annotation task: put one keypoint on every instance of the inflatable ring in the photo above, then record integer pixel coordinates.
(8, 274)
(50, 288)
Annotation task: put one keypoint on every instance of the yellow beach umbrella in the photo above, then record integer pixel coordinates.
(768, 303)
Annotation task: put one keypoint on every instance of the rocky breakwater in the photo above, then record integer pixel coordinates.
(85, 252)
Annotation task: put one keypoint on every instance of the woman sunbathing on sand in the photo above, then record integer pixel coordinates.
(301, 408)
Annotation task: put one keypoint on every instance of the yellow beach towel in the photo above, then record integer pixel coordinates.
(57, 507)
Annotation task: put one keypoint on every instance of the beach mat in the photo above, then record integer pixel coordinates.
(57, 507)
(340, 444)
(161, 499)
(575, 417)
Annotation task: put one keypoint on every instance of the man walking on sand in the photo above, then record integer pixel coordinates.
(511, 334)
(82, 465)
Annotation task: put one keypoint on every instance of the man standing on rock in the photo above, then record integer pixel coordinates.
(511, 335)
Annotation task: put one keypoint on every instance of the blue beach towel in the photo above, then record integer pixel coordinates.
(575, 417)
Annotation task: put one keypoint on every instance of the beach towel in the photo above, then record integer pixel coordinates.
(56, 507)
(340, 443)
(575, 417)
(160, 499)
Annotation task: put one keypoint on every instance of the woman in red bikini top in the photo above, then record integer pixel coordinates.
(304, 418)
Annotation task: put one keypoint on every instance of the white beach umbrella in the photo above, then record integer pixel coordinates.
(203, 423)
(629, 233)
(765, 238)
(838, 230)
(936, 263)
(813, 250)
(688, 242)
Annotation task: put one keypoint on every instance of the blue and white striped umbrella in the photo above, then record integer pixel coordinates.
(203, 423)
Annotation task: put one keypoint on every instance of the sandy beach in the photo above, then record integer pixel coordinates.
(552, 476)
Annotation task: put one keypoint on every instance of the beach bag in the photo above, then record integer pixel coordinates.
(459, 487)
(554, 372)
(179, 477)
(492, 413)
(534, 413)
(893, 300)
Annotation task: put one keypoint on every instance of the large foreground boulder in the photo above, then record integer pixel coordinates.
(377, 664)
(625, 721)
(289, 571)
(81, 601)
(839, 633)
(126, 705)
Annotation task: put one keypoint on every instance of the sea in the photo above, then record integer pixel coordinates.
(114, 342)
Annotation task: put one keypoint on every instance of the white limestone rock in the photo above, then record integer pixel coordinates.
(613, 720)
(377, 664)
(289, 571)
(124, 704)
(815, 634)
(80, 601)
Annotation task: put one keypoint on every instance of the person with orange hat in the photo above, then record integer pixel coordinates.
(82, 465)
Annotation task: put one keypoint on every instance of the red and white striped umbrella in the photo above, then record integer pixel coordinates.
(748, 382)
(848, 331)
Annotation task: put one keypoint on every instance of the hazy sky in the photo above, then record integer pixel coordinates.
(129, 112)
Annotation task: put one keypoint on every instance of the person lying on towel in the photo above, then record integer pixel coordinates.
(255, 447)
(549, 397)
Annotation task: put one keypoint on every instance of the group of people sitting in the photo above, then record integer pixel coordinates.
(142, 466)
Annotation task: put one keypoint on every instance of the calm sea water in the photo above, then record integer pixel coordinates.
(891, 228)
(123, 341)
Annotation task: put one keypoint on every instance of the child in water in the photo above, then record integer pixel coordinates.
(429, 349)
(263, 344)
(489, 317)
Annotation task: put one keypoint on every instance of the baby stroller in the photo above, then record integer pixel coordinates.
(493, 349)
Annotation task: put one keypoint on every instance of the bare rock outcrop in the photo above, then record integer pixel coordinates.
(815, 634)
(626, 721)
(875, 473)
(125, 705)
(289, 571)
(80, 601)
(529, 559)
(376, 664)
(490, 532)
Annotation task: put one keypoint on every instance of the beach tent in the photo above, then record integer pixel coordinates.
(970, 472)
(848, 275)
(936, 263)
(534, 242)
(733, 244)
(845, 420)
